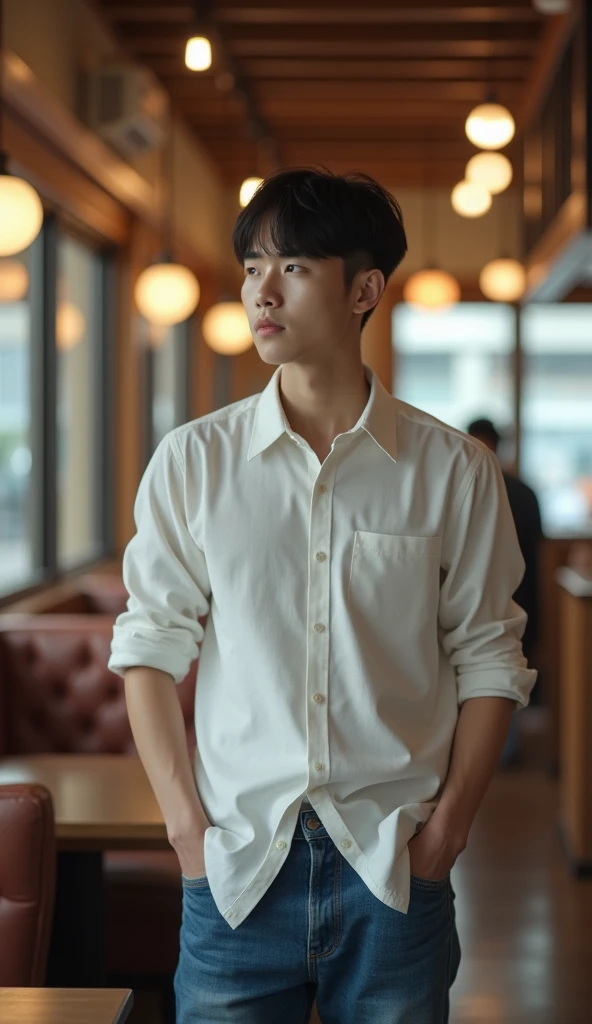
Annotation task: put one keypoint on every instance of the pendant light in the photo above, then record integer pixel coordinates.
(226, 329)
(166, 292)
(198, 49)
(70, 325)
(490, 126)
(248, 189)
(198, 53)
(430, 288)
(493, 170)
(21, 212)
(470, 200)
(503, 280)
(14, 281)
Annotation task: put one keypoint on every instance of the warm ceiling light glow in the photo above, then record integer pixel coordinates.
(166, 293)
(551, 6)
(470, 200)
(503, 280)
(226, 328)
(198, 53)
(248, 189)
(21, 214)
(70, 326)
(432, 289)
(14, 281)
(490, 126)
(493, 170)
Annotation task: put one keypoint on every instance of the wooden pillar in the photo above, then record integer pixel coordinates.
(128, 391)
(377, 351)
(576, 719)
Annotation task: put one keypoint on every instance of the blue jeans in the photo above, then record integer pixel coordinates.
(318, 931)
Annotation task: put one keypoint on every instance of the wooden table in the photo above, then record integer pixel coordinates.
(576, 719)
(64, 1006)
(101, 802)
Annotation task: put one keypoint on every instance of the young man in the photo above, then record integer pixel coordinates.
(361, 659)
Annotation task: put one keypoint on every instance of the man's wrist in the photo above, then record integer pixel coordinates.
(184, 822)
(452, 825)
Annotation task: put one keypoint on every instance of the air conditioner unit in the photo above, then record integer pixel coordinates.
(128, 108)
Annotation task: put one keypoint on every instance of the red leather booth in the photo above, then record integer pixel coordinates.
(57, 695)
(27, 884)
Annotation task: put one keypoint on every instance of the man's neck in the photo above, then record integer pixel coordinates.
(321, 403)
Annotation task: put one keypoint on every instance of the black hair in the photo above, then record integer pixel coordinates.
(320, 215)
(484, 428)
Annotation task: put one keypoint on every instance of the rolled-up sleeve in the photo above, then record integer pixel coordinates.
(165, 574)
(481, 626)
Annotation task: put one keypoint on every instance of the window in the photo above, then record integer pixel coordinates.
(19, 553)
(556, 446)
(79, 330)
(457, 364)
(168, 370)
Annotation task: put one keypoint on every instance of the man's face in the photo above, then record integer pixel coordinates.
(299, 309)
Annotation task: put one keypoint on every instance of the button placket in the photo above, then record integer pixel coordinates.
(319, 581)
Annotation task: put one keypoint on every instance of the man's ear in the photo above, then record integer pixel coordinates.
(367, 290)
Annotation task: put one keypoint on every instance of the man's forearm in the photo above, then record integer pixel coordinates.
(158, 728)
(480, 735)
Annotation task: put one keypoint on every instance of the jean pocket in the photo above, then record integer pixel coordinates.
(429, 884)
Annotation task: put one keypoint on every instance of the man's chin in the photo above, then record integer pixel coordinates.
(273, 353)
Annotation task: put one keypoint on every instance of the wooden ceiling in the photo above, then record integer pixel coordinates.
(382, 85)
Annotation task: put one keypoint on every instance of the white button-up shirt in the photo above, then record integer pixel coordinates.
(353, 607)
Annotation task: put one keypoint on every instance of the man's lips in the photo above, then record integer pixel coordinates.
(267, 327)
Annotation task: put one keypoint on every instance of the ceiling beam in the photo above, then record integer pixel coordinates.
(163, 48)
(183, 87)
(351, 112)
(514, 70)
(384, 151)
(359, 14)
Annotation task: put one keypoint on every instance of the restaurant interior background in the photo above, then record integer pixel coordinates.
(132, 155)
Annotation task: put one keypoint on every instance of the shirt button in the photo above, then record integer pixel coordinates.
(346, 844)
(319, 767)
(320, 556)
(281, 845)
(322, 489)
(318, 698)
(319, 628)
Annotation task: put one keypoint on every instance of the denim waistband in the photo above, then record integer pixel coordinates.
(309, 826)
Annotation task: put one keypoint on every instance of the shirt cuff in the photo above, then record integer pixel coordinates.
(168, 650)
(515, 684)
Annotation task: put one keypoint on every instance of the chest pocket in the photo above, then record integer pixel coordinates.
(394, 581)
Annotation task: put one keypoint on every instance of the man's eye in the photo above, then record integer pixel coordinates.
(292, 266)
(249, 271)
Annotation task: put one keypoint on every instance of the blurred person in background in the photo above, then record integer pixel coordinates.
(527, 520)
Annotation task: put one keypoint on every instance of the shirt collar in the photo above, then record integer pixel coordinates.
(379, 418)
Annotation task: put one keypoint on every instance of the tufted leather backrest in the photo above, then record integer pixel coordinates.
(27, 883)
(91, 594)
(57, 694)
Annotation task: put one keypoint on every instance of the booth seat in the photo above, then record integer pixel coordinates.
(91, 594)
(27, 884)
(58, 696)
